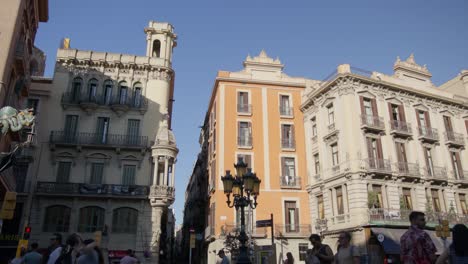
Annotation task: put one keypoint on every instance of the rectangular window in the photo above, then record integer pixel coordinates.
(331, 114)
(317, 164)
(314, 126)
(243, 105)
(320, 207)
(435, 201)
(429, 161)
(102, 129)
(97, 170)
(244, 134)
(248, 215)
(288, 167)
(292, 216)
(407, 201)
(133, 132)
(128, 177)
(63, 171)
(395, 112)
(287, 136)
(462, 198)
(423, 120)
(401, 156)
(448, 124)
(246, 158)
(285, 106)
(456, 165)
(335, 158)
(368, 107)
(303, 251)
(377, 189)
(71, 128)
(137, 97)
(108, 93)
(339, 200)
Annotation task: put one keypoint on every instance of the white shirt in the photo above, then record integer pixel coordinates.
(128, 260)
(54, 255)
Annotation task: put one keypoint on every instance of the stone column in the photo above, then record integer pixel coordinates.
(173, 174)
(156, 214)
(344, 189)
(156, 168)
(166, 167)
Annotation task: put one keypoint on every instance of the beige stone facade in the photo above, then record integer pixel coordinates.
(105, 151)
(379, 146)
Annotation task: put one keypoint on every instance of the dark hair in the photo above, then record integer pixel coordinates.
(88, 241)
(460, 239)
(129, 252)
(415, 214)
(347, 235)
(58, 237)
(73, 240)
(34, 245)
(315, 237)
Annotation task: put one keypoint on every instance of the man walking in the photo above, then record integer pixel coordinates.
(416, 246)
(129, 258)
(33, 257)
(55, 248)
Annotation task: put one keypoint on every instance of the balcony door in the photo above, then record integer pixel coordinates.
(374, 151)
(92, 88)
(448, 124)
(133, 131)
(71, 128)
(292, 216)
(108, 92)
(287, 135)
(285, 105)
(102, 129)
(123, 93)
(288, 168)
(245, 134)
(243, 102)
(429, 161)
(401, 156)
(456, 165)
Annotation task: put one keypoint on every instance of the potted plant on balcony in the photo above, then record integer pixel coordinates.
(372, 200)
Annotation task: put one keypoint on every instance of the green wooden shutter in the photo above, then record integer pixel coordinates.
(97, 170)
(63, 172)
(129, 175)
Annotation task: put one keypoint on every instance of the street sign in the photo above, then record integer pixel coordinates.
(264, 223)
(192, 240)
(22, 244)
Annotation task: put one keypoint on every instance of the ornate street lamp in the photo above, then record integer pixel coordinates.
(244, 186)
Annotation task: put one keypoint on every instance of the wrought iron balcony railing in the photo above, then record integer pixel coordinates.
(288, 143)
(428, 133)
(400, 127)
(132, 102)
(244, 108)
(436, 172)
(290, 182)
(286, 111)
(97, 139)
(401, 217)
(454, 138)
(244, 141)
(295, 230)
(407, 169)
(378, 165)
(372, 122)
(56, 188)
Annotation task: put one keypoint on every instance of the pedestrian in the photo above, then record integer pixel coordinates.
(416, 246)
(88, 253)
(55, 248)
(224, 258)
(129, 258)
(322, 252)
(289, 258)
(33, 257)
(20, 258)
(457, 253)
(346, 252)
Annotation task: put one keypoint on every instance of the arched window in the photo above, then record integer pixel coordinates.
(123, 92)
(92, 89)
(157, 48)
(76, 89)
(137, 94)
(57, 219)
(91, 219)
(108, 85)
(124, 220)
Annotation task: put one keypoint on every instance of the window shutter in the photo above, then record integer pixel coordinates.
(296, 218)
(370, 153)
(361, 101)
(379, 149)
(426, 158)
(283, 166)
(417, 118)
(428, 121)
(459, 165)
(402, 112)
(390, 111)
(292, 134)
(466, 126)
(374, 107)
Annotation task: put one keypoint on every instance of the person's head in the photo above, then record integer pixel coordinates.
(130, 252)
(56, 240)
(460, 239)
(315, 240)
(221, 253)
(344, 239)
(34, 246)
(289, 256)
(417, 219)
(74, 240)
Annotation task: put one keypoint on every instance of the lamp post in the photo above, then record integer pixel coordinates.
(243, 186)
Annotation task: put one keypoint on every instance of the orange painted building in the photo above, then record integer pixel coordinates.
(255, 115)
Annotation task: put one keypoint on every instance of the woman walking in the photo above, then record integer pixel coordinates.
(347, 253)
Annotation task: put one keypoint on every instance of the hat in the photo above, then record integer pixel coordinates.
(220, 251)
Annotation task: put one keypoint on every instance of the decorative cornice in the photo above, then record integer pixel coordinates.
(411, 65)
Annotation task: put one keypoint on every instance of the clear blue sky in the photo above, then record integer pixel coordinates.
(310, 37)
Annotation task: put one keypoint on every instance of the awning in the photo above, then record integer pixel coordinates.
(389, 238)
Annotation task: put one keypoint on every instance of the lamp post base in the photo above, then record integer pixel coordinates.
(243, 256)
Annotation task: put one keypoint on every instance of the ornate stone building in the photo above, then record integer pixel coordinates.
(107, 153)
(379, 146)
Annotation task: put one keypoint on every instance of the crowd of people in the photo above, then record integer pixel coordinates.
(74, 251)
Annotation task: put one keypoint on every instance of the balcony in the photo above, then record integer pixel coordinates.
(232, 228)
(385, 216)
(119, 104)
(286, 111)
(428, 134)
(244, 142)
(461, 177)
(407, 169)
(435, 172)
(382, 166)
(400, 128)
(293, 230)
(454, 139)
(244, 109)
(340, 219)
(95, 190)
(372, 123)
(290, 182)
(98, 140)
(288, 143)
